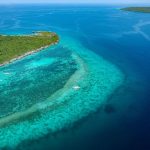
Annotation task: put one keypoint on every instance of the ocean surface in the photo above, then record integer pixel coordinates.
(103, 51)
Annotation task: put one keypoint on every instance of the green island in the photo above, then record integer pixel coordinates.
(13, 47)
(137, 9)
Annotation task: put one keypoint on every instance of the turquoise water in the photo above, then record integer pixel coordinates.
(40, 107)
(34, 79)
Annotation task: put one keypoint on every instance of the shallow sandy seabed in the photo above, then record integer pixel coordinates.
(97, 80)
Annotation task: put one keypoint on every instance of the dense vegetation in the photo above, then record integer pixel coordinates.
(14, 46)
(138, 9)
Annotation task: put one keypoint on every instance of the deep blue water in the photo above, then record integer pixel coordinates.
(122, 38)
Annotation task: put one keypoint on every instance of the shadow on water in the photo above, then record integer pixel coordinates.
(109, 108)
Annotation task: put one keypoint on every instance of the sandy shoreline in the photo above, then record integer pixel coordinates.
(27, 54)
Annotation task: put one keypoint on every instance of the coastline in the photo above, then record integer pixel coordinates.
(137, 9)
(27, 54)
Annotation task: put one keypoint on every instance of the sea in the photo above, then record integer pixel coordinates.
(103, 54)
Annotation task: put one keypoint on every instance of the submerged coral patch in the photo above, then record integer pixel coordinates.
(87, 81)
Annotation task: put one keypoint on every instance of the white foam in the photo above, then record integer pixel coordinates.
(76, 87)
(7, 73)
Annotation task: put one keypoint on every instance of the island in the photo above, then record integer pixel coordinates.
(13, 47)
(137, 9)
